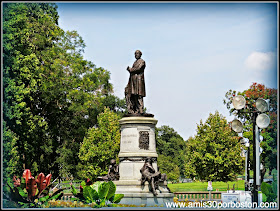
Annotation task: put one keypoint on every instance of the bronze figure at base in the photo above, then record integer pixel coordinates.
(113, 172)
(149, 174)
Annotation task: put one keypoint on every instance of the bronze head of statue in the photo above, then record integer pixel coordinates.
(138, 54)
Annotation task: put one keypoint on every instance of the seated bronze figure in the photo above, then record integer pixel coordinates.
(149, 174)
(113, 172)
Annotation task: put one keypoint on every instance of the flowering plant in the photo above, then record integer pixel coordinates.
(32, 192)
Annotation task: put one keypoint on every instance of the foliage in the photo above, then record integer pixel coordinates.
(167, 166)
(269, 143)
(51, 94)
(267, 190)
(213, 154)
(275, 184)
(31, 192)
(270, 191)
(100, 145)
(98, 193)
(11, 158)
(171, 148)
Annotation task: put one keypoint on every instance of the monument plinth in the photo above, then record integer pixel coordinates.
(137, 144)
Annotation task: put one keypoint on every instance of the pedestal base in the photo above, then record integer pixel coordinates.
(148, 200)
(137, 143)
(136, 194)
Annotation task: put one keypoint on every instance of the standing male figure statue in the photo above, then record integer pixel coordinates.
(135, 89)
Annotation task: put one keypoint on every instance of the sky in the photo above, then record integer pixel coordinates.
(194, 52)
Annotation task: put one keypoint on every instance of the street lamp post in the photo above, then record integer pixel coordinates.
(247, 163)
(255, 159)
(259, 120)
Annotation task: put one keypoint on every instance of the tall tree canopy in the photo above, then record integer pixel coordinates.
(213, 154)
(51, 94)
(171, 148)
(28, 30)
(269, 143)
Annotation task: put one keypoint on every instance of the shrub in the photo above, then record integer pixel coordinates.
(98, 193)
(267, 190)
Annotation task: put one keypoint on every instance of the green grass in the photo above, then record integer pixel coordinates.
(202, 186)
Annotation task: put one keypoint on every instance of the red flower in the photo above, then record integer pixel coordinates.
(48, 179)
(43, 181)
(31, 188)
(40, 182)
(26, 175)
(16, 181)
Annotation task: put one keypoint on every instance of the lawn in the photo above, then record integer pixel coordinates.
(202, 186)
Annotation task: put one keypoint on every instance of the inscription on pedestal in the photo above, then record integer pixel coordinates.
(129, 135)
(126, 139)
(144, 140)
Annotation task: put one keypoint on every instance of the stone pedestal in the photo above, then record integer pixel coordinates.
(137, 143)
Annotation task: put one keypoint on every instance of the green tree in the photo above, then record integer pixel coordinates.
(100, 145)
(269, 143)
(75, 91)
(28, 29)
(172, 148)
(214, 152)
(51, 94)
(167, 166)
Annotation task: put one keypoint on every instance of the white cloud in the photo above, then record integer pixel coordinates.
(262, 68)
(261, 61)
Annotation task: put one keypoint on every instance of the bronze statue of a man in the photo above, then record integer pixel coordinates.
(135, 89)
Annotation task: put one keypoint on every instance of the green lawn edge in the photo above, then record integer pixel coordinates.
(202, 186)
